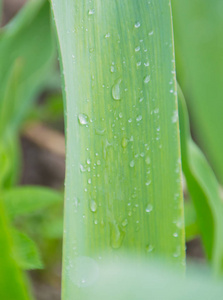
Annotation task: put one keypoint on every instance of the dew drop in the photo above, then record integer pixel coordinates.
(175, 116)
(112, 69)
(147, 79)
(147, 160)
(137, 49)
(76, 202)
(149, 208)
(93, 206)
(139, 118)
(82, 168)
(179, 223)
(83, 119)
(117, 235)
(149, 248)
(116, 90)
(137, 25)
(124, 142)
(132, 164)
(91, 11)
(125, 223)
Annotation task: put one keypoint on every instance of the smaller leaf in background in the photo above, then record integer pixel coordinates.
(191, 227)
(31, 24)
(198, 31)
(204, 191)
(10, 91)
(38, 212)
(9, 161)
(26, 252)
(28, 199)
(12, 283)
(24, 68)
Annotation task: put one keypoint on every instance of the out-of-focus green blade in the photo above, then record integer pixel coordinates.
(191, 227)
(127, 280)
(21, 201)
(25, 251)
(198, 31)
(123, 175)
(204, 190)
(32, 24)
(9, 160)
(12, 284)
(26, 53)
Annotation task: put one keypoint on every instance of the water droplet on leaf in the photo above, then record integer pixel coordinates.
(125, 223)
(138, 118)
(132, 164)
(93, 206)
(124, 142)
(137, 25)
(149, 208)
(91, 11)
(147, 79)
(116, 90)
(83, 119)
(149, 248)
(117, 235)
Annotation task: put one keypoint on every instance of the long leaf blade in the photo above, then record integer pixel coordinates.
(198, 27)
(123, 180)
(12, 284)
(204, 190)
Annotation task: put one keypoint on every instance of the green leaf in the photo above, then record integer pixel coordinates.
(28, 199)
(25, 252)
(23, 70)
(9, 160)
(32, 24)
(204, 191)
(54, 230)
(12, 284)
(130, 280)
(191, 227)
(198, 30)
(123, 175)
